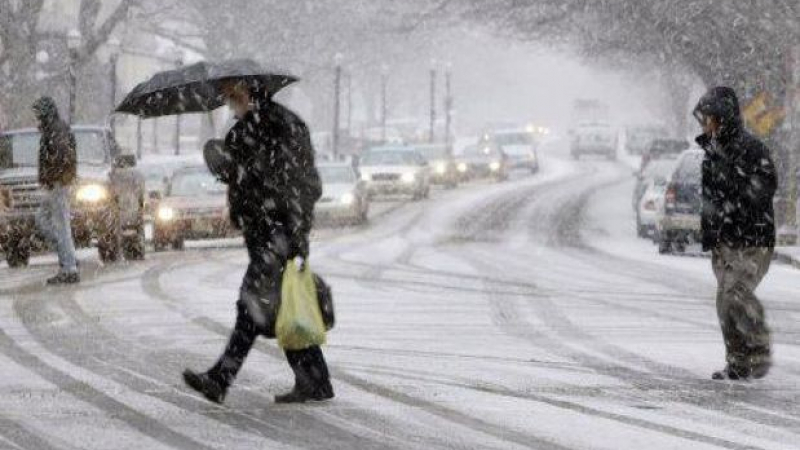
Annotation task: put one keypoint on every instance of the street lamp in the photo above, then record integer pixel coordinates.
(384, 80)
(114, 48)
(178, 64)
(74, 39)
(337, 87)
(433, 101)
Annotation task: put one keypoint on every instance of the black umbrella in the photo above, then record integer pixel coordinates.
(196, 88)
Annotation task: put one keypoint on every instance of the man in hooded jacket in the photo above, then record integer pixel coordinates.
(267, 161)
(739, 182)
(57, 172)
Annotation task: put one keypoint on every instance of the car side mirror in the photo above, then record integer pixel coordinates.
(125, 161)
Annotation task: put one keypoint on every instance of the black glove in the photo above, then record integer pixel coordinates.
(299, 246)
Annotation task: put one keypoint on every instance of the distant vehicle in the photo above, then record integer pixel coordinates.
(344, 196)
(664, 148)
(594, 139)
(653, 185)
(589, 111)
(195, 206)
(107, 198)
(395, 170)
(639, 138)
(443, 165)
(678, 221)
(157, 172)
(519, 146)
(483, 160)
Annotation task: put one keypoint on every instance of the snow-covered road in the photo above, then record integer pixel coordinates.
(516, 315)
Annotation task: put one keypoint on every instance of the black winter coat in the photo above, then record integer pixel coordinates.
(57, 153)
(739, 183)
(272, 180)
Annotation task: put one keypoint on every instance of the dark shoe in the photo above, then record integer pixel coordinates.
(203, 383)
(64, 278)
(734, 373)
(320, 394)
(760, 370)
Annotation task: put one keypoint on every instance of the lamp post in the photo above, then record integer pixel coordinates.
(114, 47)
(337, 87)
(448, 108)
(74, 39)
(432, 134)
(384, 82)
(178, 64)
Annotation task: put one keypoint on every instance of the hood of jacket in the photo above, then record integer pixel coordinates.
(721, 103)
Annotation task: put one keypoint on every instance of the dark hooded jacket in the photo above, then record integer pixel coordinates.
(738, 177)
(57, 148)
(273, 183)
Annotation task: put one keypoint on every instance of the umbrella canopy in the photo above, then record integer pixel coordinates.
(196, 88)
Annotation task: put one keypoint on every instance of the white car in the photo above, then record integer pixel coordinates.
(594, 139)
(649, 205)
(396, 171)
(344, 196)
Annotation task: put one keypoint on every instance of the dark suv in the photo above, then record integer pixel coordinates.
(107, 197)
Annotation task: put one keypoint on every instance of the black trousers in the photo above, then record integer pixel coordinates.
(257, 309)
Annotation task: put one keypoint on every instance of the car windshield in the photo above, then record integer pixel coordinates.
(195, 183)
(435, 152)
(22, 149)
(336, 175)
(504, 139)
(389, 158)
(659, 168)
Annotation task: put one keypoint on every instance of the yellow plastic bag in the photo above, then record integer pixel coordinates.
(299, 324)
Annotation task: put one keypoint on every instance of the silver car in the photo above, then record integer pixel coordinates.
(344, 195)
(396, 171)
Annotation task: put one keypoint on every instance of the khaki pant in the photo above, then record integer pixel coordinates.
(741, 316)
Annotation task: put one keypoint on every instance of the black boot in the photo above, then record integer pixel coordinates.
(731, 372)
(203, 383)
(312, 380)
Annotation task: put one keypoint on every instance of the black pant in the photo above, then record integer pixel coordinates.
(257, 309)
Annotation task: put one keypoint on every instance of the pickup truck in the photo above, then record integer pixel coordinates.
(107, 197)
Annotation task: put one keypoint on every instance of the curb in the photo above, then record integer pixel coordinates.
(787, 259)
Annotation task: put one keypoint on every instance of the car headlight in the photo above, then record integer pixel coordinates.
(366, 177)
(408, 177)
(462, 167)
(494, 166)
(165, 213)
(348, 199)
(441, 168)
(91, 193)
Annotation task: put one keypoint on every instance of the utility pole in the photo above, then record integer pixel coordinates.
(114, 47)
(178, 65)
(337, 88)
(74, 39)
(432, 135)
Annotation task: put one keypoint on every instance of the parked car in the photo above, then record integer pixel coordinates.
(443, 165)
(195, 206)
(483, 160)
(107, 197)
(594, 139)
(519, 147)
(664, 149)
(649, 204)
(660, 168)
(639, 138)
(395, 170)
(344, 196)
(678, 222)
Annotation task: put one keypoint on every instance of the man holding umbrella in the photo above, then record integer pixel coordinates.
(267, 161)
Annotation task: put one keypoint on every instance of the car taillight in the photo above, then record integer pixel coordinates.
(670, 197)
(650, 205)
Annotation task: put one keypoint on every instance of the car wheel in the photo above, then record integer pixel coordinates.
(133, 248)
(178, 243)
(664, 246)
(18, 254)
(109, 244)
